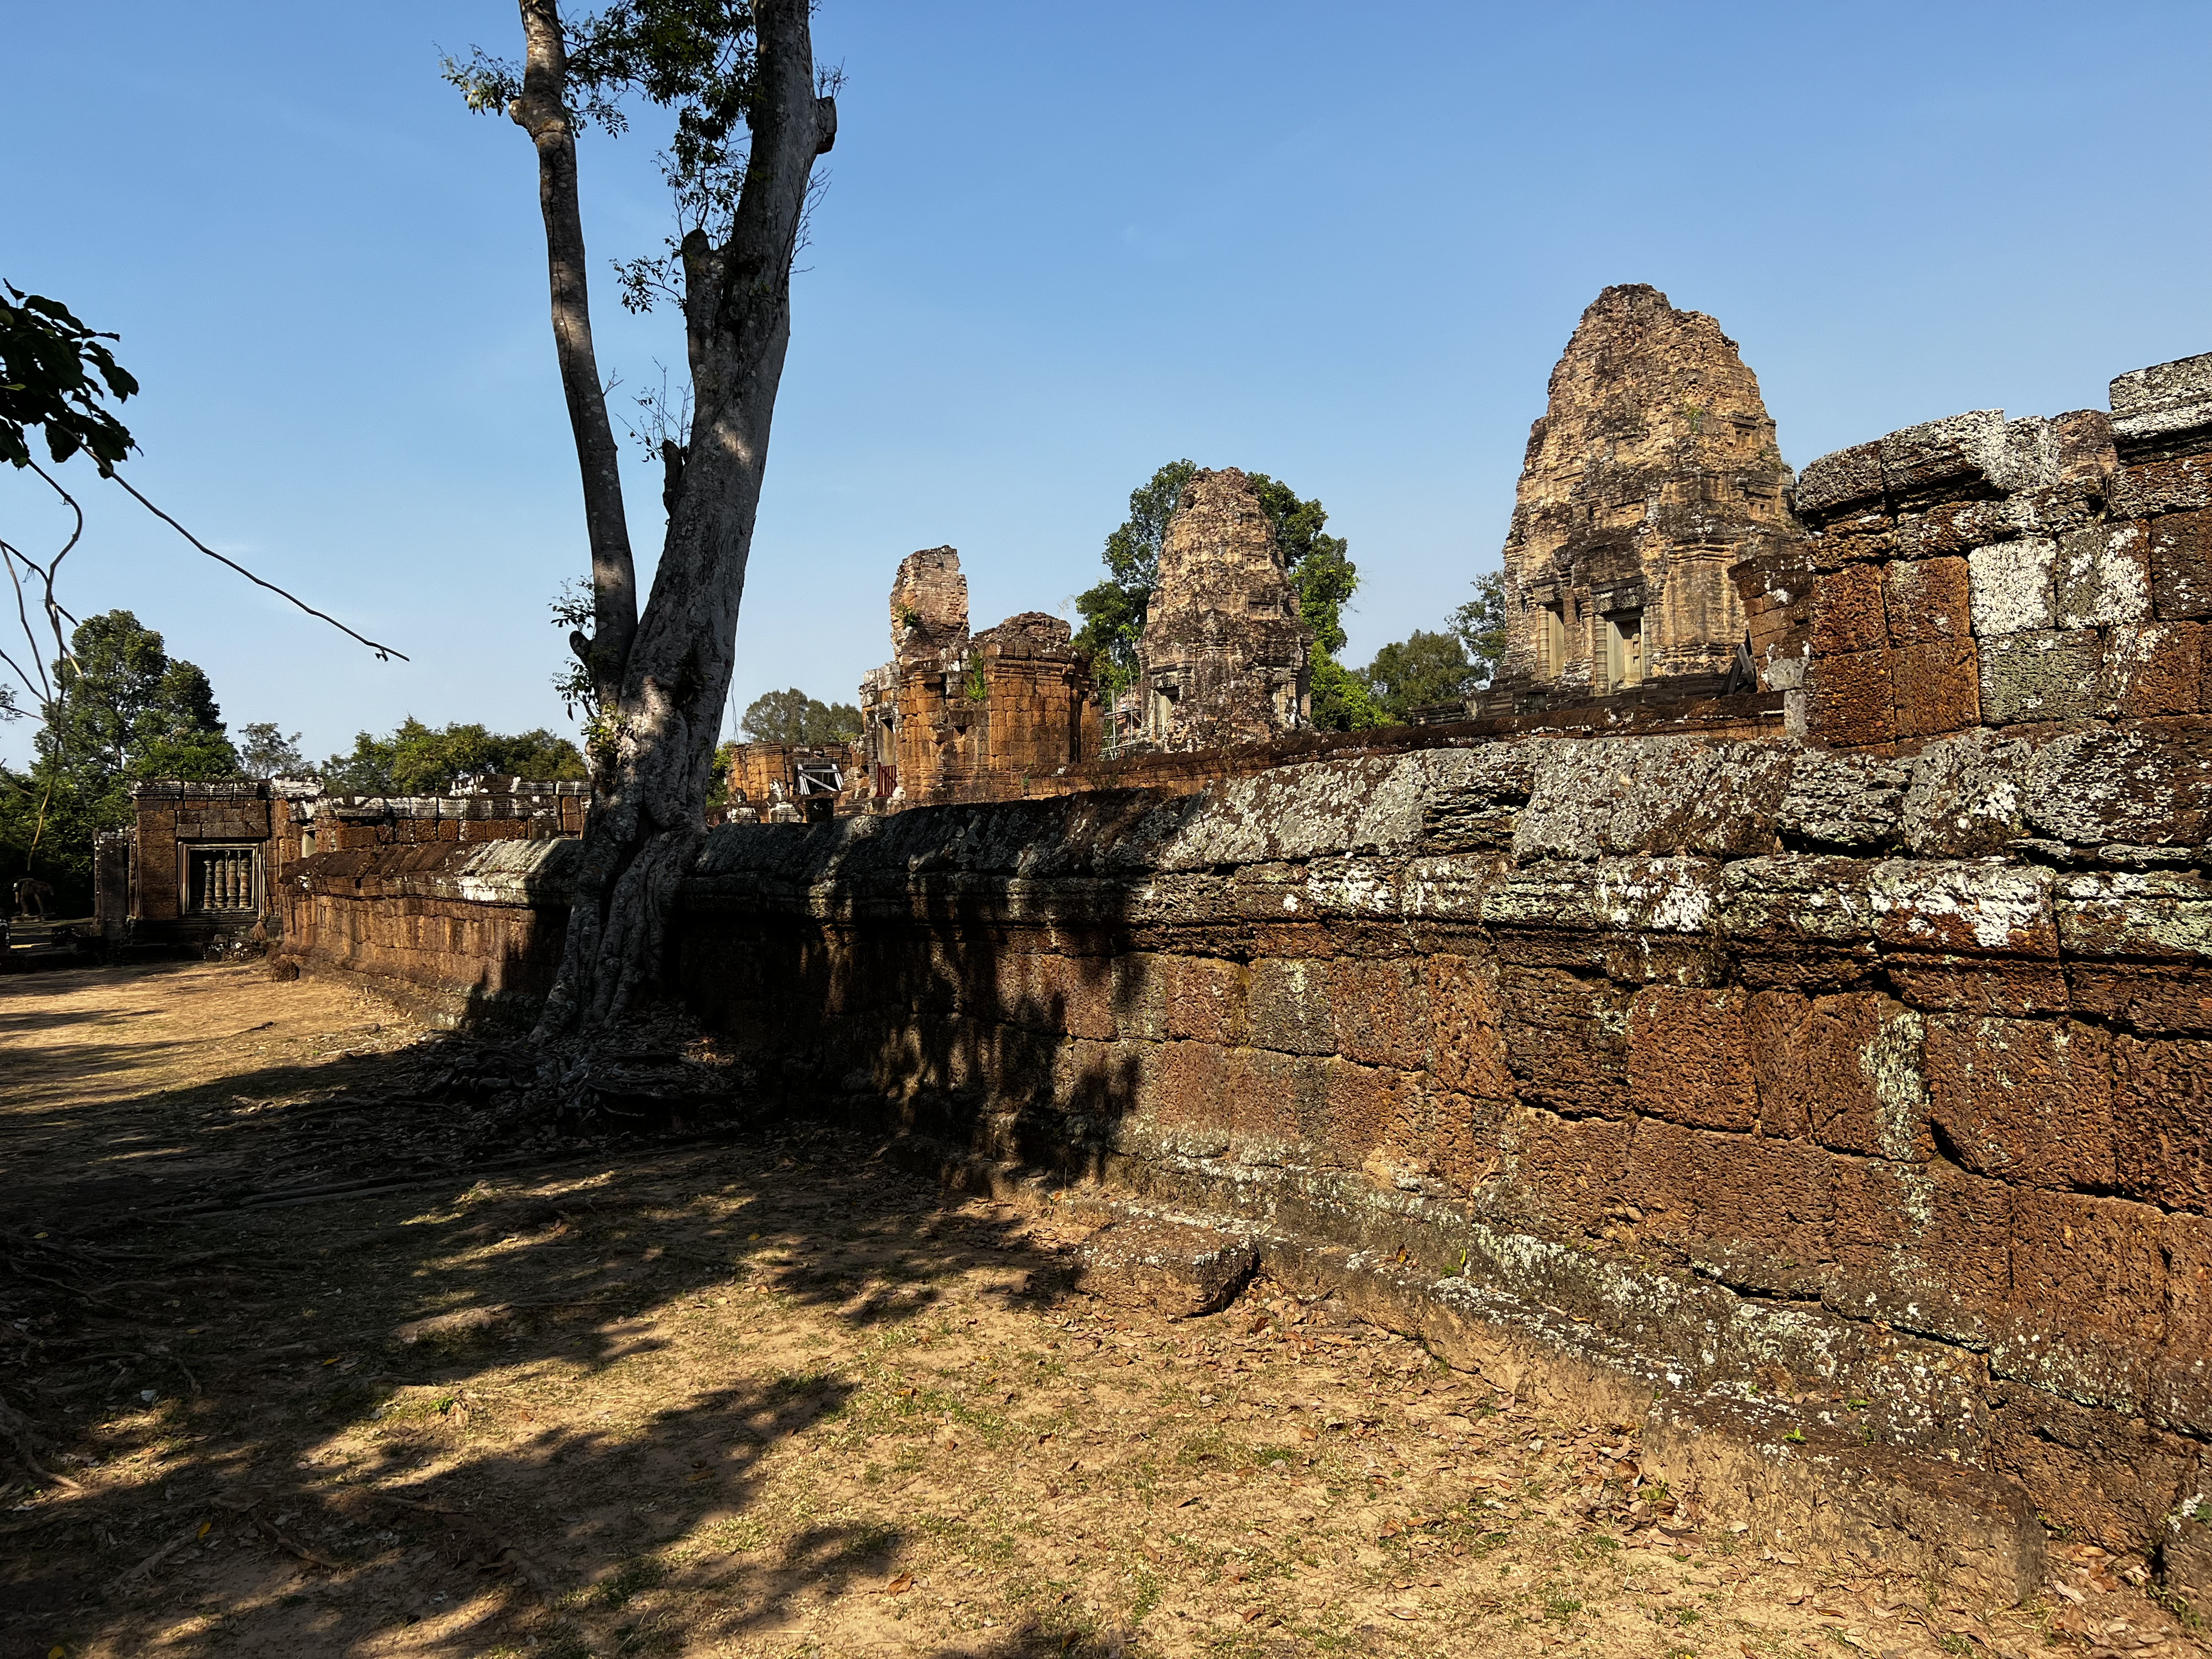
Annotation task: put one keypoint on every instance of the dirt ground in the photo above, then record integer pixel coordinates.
(312, 1373)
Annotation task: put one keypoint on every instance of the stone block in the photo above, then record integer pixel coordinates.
(2181, 564)
(1638, 795)
(1571, 1171)
(2163, 1121)
(1844, 1069)
(1929, 1242)
(2022, 1100)
(1854, 701)
(2112, 1480)
(1847, 610)
(1964, 799)
(2150, 998)
(1466, 1138)
(1188, 1083)
(1379, 1012)
(2181, 1376)
(2045, 675)
(2150, 488)
(2089, 1265)
(1733, 1199)
(1792, 903)
(2147, 785)
(2010, 586)
(2163, 412)
(1276, 1097)
(1467, 1053)
(1843, 482)
(1204, 998)
(2101, 576)
(1366, 1105)
(1961, 456)
(1176, 1268)
(1288, 1007)
(1951, 528)
(1970, 908)
(1936, 688)
(1927, 601)
(1567, 1041)
(1689, 1059)
(1839, 801)
(1979, 985)
(2151, 669)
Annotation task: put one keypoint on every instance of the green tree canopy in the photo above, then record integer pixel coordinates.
(416, 759)
(126, 712)
(1480, 625)
(794, 718)
(1414, 672)
(1318, 563)
(264, 751)
(1113, 612)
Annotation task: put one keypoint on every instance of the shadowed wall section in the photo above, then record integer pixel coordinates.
(1835, 1095)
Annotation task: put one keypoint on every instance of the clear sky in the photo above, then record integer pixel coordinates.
(1061, 245)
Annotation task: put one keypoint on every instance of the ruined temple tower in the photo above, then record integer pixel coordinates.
(1225, 658)
(1653, 468)
(953, 711)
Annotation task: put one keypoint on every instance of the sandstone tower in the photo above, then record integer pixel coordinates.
(1652, 470)
(1226, 656)
(952, 708)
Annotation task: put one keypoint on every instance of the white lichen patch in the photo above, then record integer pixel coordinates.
(2010, 586)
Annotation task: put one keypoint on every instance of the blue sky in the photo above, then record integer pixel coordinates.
(1061, 246)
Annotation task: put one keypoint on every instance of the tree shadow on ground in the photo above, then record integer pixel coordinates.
(262, 1462)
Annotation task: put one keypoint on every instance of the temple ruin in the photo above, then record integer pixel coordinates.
(1651, 472)
(1811, 1074)
(1225, 657)
(952, 711)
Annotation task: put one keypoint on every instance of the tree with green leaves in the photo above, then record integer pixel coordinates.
(1480, 627)
(1417, 673)
(57, 377)
(1115, 611)
(414, 759)
(793, 717)
(264, 751)
(751, 116)
(125, 712)
(1318, 564)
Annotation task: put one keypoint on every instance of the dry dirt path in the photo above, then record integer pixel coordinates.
(763, 1396)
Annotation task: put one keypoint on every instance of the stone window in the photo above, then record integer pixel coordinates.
(1623, 649)
(1551, 643)
(221, 880)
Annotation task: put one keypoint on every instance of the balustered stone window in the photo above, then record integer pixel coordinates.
(222, 880)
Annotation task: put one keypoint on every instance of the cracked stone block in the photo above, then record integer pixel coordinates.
(1845, 801)
(2043, 674)
(1957, 456)
(1179, 1269)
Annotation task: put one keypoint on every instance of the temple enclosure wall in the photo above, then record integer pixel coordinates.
(1854, 1109)
(1820, 1074)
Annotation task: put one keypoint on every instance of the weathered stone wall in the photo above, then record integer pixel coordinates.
(1861, 1103)
(453, 933)
(1980, 572)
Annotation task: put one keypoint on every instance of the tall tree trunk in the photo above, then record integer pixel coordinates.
(648, 815)
(543, 111)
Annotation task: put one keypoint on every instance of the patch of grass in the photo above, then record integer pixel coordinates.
(632, 1578)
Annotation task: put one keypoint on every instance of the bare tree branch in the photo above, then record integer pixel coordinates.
(382, 651)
